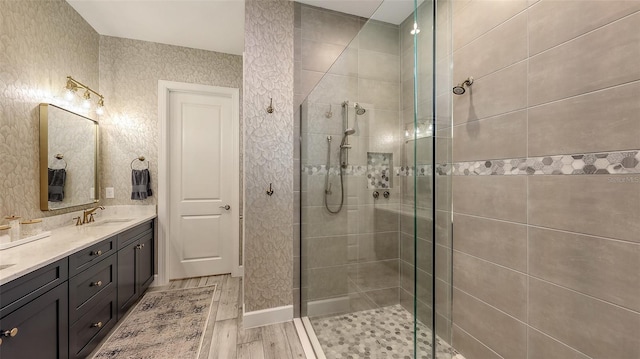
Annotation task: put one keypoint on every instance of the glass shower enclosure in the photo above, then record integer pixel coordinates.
(375, 249)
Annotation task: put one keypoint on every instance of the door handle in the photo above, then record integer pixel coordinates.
(226, 207)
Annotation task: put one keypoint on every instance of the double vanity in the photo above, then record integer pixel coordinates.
(61, 295)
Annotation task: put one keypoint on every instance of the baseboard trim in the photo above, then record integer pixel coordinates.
(155, 282)
(237, 271)
(328, 306)
(269, 316)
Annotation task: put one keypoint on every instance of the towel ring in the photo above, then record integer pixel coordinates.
(141, 159)
(60, 157)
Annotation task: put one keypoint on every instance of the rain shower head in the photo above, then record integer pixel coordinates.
(459, 90)
(359, 109)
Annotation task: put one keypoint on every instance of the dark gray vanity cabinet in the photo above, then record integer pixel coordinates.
(34, 314)
(66, 308)
(135, 264)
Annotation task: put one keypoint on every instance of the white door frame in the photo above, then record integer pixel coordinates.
(164, 90)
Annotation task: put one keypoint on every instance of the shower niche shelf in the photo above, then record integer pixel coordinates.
(379, 170)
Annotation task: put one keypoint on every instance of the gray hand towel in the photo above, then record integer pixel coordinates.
(140, 184)
(57, 178)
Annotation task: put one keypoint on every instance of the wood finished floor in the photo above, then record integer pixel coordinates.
(225, 337)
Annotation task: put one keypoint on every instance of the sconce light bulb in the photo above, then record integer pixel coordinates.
(87, 100)
(406, 133)
(69, 95)
(100, 109)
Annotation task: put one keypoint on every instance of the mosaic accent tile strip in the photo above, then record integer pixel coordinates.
(423, 170)
(360, 170)
(626, 162)
(623, 162)
(351, 170)
(377, 333)
(379, 167)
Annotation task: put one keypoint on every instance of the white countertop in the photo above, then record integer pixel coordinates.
(67, 240)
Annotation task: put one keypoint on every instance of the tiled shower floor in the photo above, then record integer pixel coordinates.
(377, 333)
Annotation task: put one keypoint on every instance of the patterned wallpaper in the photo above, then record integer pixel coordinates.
(129, 74)
(268, 61)
(41, 43)
(45, 41)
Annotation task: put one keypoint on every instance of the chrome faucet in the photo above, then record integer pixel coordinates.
(87, 214)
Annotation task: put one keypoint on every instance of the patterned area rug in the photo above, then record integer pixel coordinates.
(377, 333)
(164, 324)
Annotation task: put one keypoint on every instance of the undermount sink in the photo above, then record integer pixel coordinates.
(5, 266)
(111, 221)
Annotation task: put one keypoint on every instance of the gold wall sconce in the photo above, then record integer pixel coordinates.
(72, 88)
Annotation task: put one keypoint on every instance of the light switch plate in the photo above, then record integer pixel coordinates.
(110, 193)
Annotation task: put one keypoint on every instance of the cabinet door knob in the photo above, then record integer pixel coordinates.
(140, 246)
(9, 333)
(96, 325)
(97, 284)
(96, 253)
(226, 207)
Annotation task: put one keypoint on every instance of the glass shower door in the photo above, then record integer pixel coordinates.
(428, 30)
(367, 189)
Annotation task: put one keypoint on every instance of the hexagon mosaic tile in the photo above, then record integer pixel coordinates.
(385, 332)
(625, 162)
(607, 163)
(360, 170)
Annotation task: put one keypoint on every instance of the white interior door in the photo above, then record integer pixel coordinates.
(200, 153)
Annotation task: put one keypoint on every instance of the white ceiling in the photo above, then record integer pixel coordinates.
(214, 25)
(391, 11)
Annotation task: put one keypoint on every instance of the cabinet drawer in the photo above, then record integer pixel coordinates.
(90, 286)
(135, 233)
(92, 327)
(28, 287)
(83, 259)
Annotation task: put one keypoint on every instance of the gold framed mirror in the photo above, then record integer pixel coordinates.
(68, 159)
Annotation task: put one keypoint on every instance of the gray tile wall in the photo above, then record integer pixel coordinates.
(352, 256)
(546, 266)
